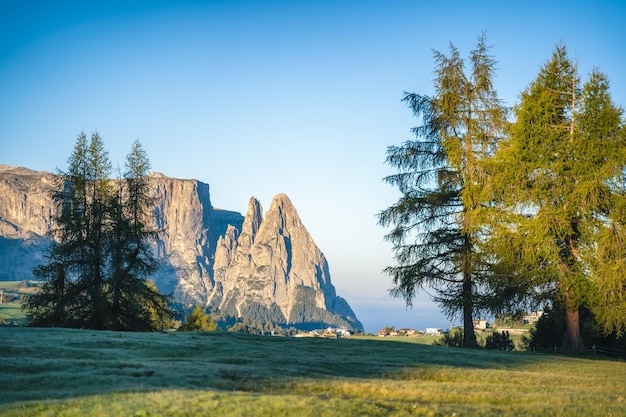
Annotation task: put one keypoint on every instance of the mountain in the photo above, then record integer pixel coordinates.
(265, 269)
(272, 268)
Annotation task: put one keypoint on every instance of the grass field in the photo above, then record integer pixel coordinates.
(56, 372)
(11, 312)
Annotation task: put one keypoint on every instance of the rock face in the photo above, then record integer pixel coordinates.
(266, 269)
(189, 229)
(273, 269)
(25, 210)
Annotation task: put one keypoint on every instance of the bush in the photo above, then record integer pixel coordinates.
(453, 338)
(198, 319)
(499, 341)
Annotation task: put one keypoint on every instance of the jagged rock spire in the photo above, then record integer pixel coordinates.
(251, 223)
(280, 271)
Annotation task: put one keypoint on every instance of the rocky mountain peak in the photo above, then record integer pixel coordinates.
(251, 223)
(283, 213)
(278, 274)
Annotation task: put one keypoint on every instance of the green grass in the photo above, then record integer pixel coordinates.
(9, 285)
(55, 372)
(12, 312)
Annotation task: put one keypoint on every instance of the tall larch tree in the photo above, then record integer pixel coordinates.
(99, 193)
(136, 303)
(556, 193)
(437, 220)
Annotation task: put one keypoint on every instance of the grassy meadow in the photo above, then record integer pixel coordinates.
(11, 311)
(61, 372)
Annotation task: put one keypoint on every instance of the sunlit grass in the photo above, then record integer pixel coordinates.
(12, 312)
(72, 372)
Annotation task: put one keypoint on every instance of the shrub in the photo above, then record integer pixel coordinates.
(453, 338)
(198, 319)
(499, 341)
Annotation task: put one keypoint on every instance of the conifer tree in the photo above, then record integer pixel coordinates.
(602, 125)
(134, 300)
(95, 272)
(554, 192)
(74, 281)
(437, 226)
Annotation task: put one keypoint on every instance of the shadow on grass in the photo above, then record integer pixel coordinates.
(41, 364)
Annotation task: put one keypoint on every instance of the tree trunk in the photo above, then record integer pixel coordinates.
(572, 339)
(469, 336)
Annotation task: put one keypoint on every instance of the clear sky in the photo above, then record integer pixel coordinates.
(256, 98)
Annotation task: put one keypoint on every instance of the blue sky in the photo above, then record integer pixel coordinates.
(262, 97)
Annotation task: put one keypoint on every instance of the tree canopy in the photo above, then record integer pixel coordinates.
(198, 319)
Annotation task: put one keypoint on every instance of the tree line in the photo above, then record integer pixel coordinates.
(508, 208)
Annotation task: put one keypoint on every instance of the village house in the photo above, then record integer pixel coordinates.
(481, 324)
(533, 317)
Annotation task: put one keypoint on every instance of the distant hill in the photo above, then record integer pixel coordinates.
(262, 269)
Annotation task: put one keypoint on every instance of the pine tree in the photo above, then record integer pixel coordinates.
(95, 274)
(99, 193)
(440, 178)
(553, 189)
(72, 294)
(131, 256)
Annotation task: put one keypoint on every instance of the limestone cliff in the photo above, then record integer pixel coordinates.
(25, 210)
(273, 269)
(188, 227)
(266, 269)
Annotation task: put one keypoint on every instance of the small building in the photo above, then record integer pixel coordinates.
(433, 330)
(481, 324)
(533, 317)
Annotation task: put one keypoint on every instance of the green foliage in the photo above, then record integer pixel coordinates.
(548, 331)
(306, 315)
(510, 320)
(499, 341)
(198, 319)
(451, 338)
(436, 222)
(94, 274)
(557, 189)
